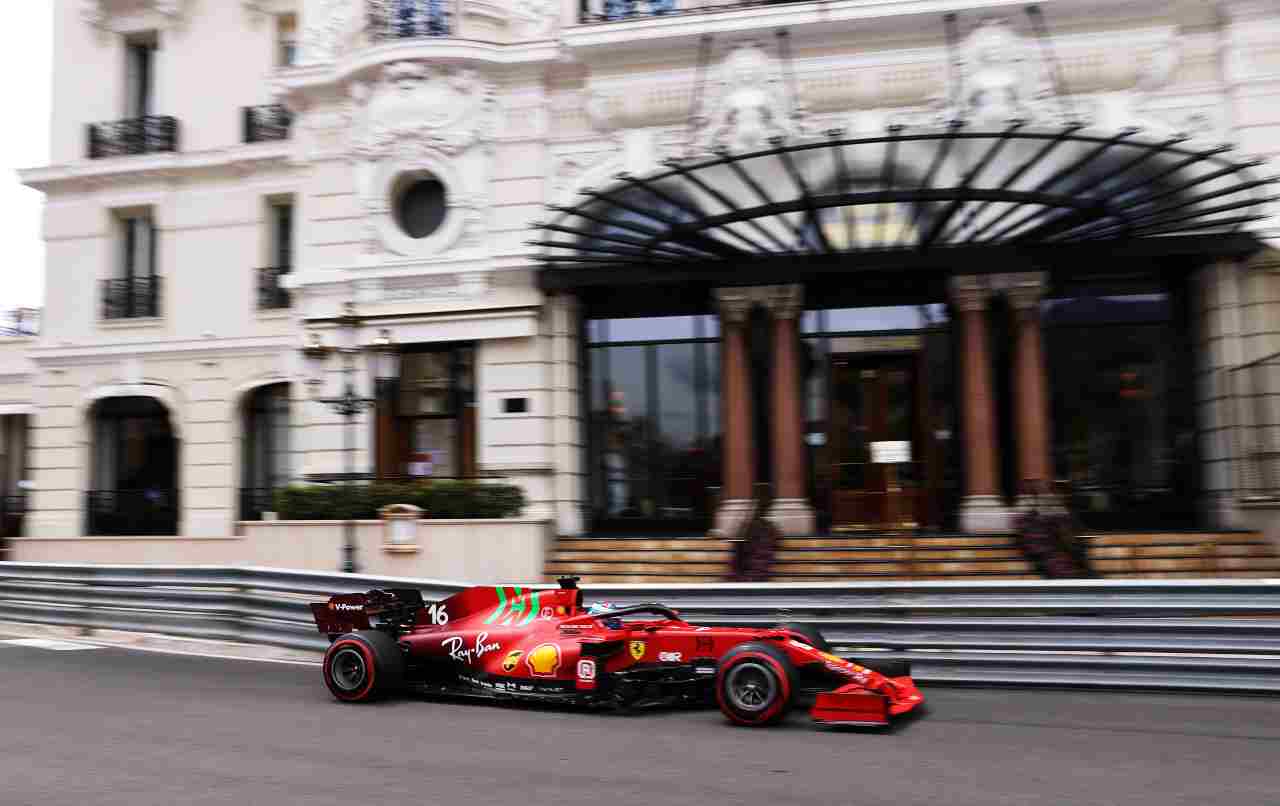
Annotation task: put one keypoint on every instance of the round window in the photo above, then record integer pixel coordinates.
(420, 206)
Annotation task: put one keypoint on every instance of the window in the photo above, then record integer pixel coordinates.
(281, 222)
(133, 290)
(286, 40)
(654, 404)
(139, 75)
(138, 241)
(427, 428)
(420, 206)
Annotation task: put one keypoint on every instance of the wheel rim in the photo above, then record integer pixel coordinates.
(348, 669)
(751, 687)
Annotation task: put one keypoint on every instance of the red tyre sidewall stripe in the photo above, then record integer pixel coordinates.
(370, 670)
(784, 689)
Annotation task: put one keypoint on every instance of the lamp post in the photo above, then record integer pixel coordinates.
(349, 404)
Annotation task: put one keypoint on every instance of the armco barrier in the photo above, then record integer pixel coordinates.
(1193, 634)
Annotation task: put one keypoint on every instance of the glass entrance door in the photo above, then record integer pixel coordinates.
(877, 458)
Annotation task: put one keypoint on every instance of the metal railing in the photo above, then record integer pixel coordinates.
(590, 11)
(146, 135)
(131, 297)
(1170, 634)
(271, 294)
(265, 123)
(131, 513)
(408, 19)
(1251, 405)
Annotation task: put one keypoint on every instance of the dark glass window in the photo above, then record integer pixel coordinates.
(421, 208)
(1122, 436)
(654, 398)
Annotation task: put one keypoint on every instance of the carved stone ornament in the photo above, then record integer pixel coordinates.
(538, 17)
(999, 76)
(98, 13)
(335, 22)
(417, 107)
(748, 103)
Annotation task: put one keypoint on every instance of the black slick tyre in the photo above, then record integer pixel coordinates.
(811, 634)
(755, 684)
(363, 666)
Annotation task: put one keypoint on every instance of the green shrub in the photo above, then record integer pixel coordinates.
(438, 499)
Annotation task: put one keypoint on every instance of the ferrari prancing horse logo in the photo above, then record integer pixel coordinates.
(637, 649)
(510, 661)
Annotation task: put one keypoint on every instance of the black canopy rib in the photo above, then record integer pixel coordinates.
(1115, 190)
(806, 198)
(888, 174)
(740, 171)
(973, 173)
(1017, 173)
(927, 182)
(1067, 170)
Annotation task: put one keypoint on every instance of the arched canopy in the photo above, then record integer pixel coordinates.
(907, 198)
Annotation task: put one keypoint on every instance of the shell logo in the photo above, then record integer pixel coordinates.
(544, 660)
(512, 660)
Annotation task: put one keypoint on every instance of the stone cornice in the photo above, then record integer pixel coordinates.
(79, 355)
(89, 174)
(293, 86)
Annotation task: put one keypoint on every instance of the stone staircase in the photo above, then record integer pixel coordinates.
(798, 559)
(900, 557)
(1182, 555)
(641, 559)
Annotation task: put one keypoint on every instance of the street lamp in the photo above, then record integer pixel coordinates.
(349, 404)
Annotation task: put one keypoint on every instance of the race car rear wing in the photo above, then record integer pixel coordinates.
(386, 607)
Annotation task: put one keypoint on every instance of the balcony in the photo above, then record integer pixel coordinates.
(130, 513)
(131, 298)
(154, 134)
(266, 123)
(390, 20)
(271, 294)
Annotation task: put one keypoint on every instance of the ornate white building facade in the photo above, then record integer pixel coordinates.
(226, 176)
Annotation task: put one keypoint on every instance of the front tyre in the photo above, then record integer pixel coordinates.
(362, 666)
(755, 684)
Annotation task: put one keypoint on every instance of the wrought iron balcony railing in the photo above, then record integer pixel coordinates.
(131, 512)
(271, 295)
(265, 123)
(131, 297)
(408, 19)
(153, 134)
(613, 10)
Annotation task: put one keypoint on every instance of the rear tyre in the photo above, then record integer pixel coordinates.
(811, 634)
(363, 666)
(755, 684)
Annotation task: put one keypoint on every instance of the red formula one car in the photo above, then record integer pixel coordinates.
(505, 642)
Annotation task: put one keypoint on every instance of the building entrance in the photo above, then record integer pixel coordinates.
(881, 460)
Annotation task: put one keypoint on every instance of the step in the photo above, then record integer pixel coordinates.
(1195, 575)
(1169, 538)
(623, 555)
(692, 569)
(902, 555)
(642, 544)
(1199, 564)
(1198, 549)
(897, 577)
(898, 541)
(643, 579)
(921, 569)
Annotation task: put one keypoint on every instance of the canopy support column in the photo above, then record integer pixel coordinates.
(735, 382)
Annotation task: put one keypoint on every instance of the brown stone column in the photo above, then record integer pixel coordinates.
(1030, 385)
(790, 510)
(738, 455)
(982, 510)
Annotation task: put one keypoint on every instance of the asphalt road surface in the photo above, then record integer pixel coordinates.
(115, 726)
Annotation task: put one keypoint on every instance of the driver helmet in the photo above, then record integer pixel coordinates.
(604, 607)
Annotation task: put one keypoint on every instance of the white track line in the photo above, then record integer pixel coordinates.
(48, 643)
(217, 655)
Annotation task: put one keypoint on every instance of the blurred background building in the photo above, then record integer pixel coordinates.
(651, 259)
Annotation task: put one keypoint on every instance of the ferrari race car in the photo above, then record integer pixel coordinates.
(544, 645)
